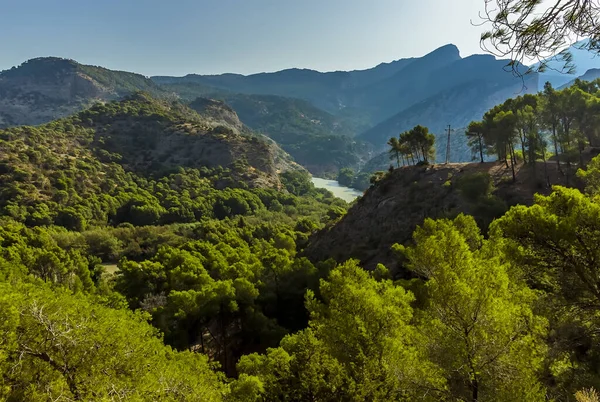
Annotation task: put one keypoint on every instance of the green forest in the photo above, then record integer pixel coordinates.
(557, 124)
(155, 248)
(126, 279)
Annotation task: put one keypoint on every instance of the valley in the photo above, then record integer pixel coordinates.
(326, 121)
(345, 193)
(426, 229)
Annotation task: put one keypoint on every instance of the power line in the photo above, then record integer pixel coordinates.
(448, 145)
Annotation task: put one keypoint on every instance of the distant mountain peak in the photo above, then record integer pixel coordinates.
(449, 50)
(51, 59)
(45, 88)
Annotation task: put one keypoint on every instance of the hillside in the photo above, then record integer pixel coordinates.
(390, 210)
(355, 92)
(109, 152)
(590, 75)
(321, 89)
(581, 61)
(411, 84)
(48, 88)
(434, 90)
(317, 140)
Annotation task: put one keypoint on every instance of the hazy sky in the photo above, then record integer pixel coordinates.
(177, 37)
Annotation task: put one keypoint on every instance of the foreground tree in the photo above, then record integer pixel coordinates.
(557, 241)
(478, 322)
(535, 29)
(56, 346)
(553, 245)
(359, 346)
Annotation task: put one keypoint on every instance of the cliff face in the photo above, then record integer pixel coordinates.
(390, 211)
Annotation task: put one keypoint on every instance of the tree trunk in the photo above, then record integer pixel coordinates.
(555, 141)
(474, 390)
(540, 141)
(480, 148)
(522, 139)
(224, 334)
(566, 126)
(512, 161)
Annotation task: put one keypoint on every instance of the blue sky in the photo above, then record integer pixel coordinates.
(177, 37)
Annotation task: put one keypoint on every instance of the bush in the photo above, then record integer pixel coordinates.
(345, 177)
(474, 186)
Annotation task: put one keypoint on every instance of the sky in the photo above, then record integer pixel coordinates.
(179, 37)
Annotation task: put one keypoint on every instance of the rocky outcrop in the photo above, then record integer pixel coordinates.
(390, 211)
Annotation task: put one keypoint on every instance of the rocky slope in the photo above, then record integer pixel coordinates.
(149, 138)
(316, 139)
(48, 88)
(390, 210)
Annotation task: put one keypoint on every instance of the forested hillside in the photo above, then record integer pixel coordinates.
(316, 139)
(48, 88)
(319, 141)
(95, 167)
(152, 252)
(96, 224)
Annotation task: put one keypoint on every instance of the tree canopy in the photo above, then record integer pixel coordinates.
(413, 146)
(526, 30)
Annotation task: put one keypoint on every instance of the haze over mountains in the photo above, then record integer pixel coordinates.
(559, 76)
(326, 121)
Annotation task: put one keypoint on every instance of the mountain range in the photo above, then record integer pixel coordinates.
(326, 121)
(560, 75)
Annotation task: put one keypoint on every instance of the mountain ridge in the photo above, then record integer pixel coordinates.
(46, 88)
(378, 102)
(387, 93)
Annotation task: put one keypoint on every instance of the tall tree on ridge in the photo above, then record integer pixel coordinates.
(475, 134)
(394, 150)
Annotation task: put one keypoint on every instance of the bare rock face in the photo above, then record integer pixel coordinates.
(218, 111)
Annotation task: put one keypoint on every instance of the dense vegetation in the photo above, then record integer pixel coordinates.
(473, 324)
(209, 261)
(125, 279)
(554, 123)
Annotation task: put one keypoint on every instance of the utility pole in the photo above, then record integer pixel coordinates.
(448, 145)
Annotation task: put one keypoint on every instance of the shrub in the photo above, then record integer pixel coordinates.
(475, 186)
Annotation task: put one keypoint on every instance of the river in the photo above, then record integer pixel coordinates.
(345, 193)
